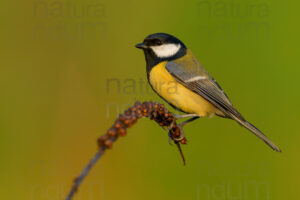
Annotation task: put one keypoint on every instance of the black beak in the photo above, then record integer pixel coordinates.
(141, 46)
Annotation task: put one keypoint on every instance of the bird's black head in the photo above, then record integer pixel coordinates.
(160, 47)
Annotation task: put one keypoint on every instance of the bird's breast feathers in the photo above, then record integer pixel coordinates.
(177, 94)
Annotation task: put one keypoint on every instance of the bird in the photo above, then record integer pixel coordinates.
(177, 76)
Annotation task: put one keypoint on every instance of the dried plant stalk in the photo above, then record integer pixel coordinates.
(154, 111)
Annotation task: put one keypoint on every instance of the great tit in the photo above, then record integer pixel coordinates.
(177, 76)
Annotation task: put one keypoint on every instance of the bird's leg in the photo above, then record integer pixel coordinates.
(181, 125)
(188, 121)
(186, 116)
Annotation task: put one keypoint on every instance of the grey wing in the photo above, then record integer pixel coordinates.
(200, 82)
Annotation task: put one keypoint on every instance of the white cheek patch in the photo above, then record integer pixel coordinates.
(166, 50)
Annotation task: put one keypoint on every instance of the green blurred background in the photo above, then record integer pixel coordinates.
(57, 59)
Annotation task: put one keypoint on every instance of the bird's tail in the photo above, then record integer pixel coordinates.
(257, 132)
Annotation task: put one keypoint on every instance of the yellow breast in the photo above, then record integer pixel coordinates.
(178, 95)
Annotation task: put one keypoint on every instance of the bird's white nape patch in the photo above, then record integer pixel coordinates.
(166, 50)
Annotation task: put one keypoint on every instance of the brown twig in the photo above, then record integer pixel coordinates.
(154, 111)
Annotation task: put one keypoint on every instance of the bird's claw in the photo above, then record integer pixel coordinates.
(176, 139)
(170, 138)
(182, 135)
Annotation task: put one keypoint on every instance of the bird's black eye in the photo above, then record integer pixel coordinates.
(157, 42)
